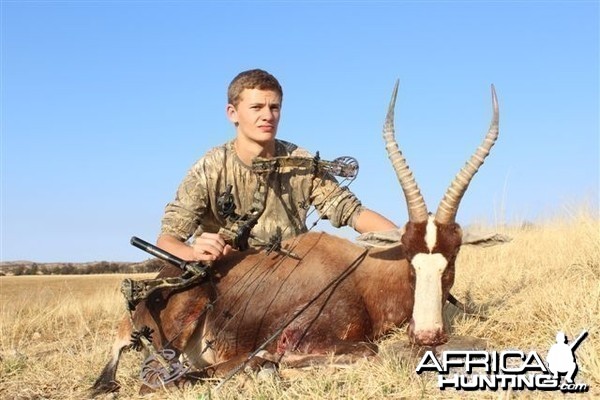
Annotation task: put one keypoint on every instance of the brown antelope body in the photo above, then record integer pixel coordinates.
(335, 298)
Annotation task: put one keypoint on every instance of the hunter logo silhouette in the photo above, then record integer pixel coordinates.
(508, 369)
(561, 356)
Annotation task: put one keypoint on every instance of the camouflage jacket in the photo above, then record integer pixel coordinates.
(290, 192)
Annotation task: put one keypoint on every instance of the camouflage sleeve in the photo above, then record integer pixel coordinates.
(334, 202)
(183, 215)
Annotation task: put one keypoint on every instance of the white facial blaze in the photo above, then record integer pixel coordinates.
(427, 311)
(430, 233)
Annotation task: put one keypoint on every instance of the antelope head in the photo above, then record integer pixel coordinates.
(431, 242)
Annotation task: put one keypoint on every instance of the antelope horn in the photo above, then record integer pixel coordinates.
(446, 212)
(417, 210)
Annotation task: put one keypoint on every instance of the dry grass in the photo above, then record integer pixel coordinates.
(56, 331)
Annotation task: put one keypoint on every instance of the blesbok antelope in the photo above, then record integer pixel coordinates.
(337, 297)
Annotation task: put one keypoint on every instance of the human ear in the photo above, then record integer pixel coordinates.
(231, 113)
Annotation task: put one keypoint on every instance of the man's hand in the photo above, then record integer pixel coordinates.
(210, 247)
(207, 247)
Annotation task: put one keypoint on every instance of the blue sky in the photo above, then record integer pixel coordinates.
(106, 104)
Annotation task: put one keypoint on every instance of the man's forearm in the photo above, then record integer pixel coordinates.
(176, 247)
(370, 221)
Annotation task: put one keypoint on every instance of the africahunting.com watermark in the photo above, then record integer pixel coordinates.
(510, 369)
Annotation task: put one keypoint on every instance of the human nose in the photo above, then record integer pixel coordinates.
(268, 114)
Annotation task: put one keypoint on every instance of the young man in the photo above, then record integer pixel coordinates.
(254, 107)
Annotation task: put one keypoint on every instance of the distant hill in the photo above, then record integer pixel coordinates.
(16, 268)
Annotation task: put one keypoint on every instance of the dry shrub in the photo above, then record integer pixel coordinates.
(56, 332)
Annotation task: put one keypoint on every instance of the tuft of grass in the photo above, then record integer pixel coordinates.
(56, 331)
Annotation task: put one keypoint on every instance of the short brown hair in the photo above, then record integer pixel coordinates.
(252, 79)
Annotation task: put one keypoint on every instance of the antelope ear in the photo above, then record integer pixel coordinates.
(483, 239)
(381, 239)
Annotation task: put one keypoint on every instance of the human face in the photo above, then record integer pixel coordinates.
(256, 115)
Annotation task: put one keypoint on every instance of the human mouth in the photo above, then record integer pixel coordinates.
(266, 128)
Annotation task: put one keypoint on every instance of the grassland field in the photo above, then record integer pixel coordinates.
(56, 331)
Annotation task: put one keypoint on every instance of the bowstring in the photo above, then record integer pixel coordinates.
(285, 255)
(337, 280)
(295, 242)
(266, 251)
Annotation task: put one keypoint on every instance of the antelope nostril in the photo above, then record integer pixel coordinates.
(433, 337)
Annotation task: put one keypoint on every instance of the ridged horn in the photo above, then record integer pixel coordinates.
(417, 210)
(446, 212)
